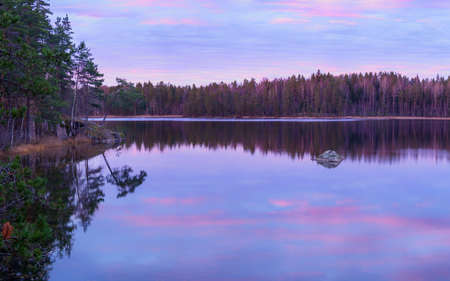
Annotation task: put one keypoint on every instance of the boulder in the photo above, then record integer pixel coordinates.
(329, 159)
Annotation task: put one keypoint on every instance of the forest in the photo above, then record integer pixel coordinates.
(49, 85)
(46, 79)
(369, 94)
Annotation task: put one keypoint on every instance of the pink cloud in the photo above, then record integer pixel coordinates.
(337, 9)
(344, 22)
(168, 21)
(281, 203)
(288, 21)
(300, 213)
(211, 5)
(149, 3)
(92, 14)
(347, 213)
(289, 203)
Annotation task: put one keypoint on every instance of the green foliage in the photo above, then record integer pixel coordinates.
(87, 92)
(125, 99)
(43, 206)
(26, 59)
(25, 204)
(41, 68)
(124, 179)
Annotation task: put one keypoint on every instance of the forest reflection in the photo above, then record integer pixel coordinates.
(77, 187)
(72, 173)
(370, 140)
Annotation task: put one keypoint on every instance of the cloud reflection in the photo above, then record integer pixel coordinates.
(214, 211)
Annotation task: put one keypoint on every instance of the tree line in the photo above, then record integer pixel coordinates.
(322, 94)
(48, 84)
(45, 78)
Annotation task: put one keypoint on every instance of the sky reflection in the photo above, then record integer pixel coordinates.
(226, 214)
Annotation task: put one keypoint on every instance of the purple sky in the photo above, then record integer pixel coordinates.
(200, 41)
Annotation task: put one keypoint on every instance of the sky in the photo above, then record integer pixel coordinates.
(201, 41)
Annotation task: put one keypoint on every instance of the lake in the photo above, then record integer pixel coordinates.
(245, 200)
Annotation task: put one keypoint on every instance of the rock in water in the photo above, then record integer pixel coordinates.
(329, 159)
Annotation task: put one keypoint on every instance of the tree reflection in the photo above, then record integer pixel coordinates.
(124, 179)
(40, 222)
(88, 192)
(58, 194)
(368, 140)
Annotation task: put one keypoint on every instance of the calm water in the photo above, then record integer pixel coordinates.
(244, 201)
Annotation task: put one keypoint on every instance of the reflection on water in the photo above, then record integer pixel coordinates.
(69, 171)
(74, 191)
(382, 140)
(244, 201)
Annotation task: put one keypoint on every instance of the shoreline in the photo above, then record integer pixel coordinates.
(54, 144)
(44, 145)
(112, 117)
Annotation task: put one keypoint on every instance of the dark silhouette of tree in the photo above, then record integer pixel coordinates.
(374, 140)
(45, 78)
(36, 220)
(41, 206)
(369, 94)
(88, 192)
(124, 179)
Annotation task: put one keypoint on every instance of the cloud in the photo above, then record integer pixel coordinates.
(336, 8)
(169, 21)
(281, 203)
(188, 41)
(286, 20)
(344, 22)
(149, 3)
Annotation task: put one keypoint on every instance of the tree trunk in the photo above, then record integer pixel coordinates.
(21, 127)
(104, 120)
(28, 131)
(110, 170)
(73, 113)
(75, 96)
(12, 133)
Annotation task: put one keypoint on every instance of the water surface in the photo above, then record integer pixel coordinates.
(245, 201)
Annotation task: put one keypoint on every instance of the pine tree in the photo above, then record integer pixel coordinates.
(88, 81)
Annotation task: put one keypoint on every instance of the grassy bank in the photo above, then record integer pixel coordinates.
(46, 145)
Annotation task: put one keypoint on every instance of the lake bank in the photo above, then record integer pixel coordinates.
(55, 147)
(46, 144)
(92, 139)
(138, 117)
